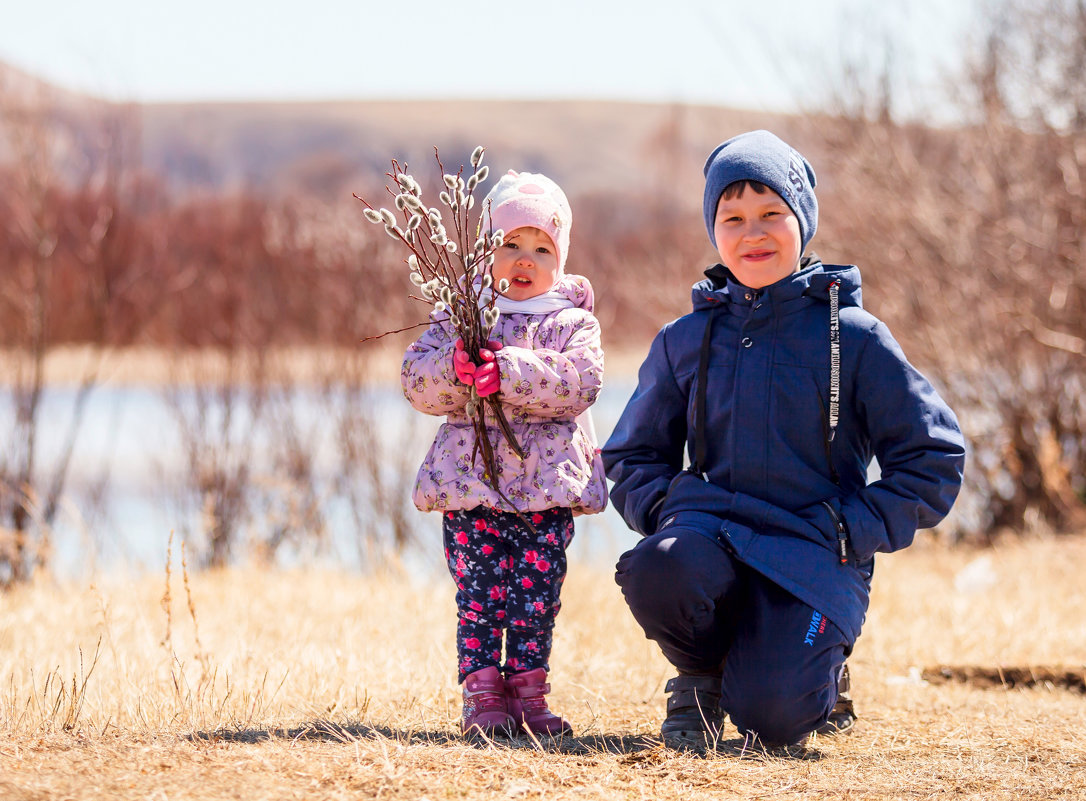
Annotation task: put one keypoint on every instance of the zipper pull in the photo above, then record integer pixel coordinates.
(842, 543)
(842, 534)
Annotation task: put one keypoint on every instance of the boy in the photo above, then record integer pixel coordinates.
(755, 571)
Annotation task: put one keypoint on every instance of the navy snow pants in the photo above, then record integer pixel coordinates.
(706, 610)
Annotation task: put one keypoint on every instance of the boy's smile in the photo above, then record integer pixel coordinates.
(528, 261)
(758, 237)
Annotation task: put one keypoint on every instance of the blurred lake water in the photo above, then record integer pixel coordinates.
(125, 489)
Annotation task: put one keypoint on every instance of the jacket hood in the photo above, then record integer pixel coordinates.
(813, 281)
(577, 289)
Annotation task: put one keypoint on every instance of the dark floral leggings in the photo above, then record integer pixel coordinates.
(507, 580)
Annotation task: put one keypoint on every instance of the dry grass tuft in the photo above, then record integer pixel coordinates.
(329, 686)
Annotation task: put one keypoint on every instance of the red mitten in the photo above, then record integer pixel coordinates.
(462, 364)
(487, 375)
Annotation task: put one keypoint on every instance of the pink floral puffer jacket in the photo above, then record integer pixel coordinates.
(551, 371)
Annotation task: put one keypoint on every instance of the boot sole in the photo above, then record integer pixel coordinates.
(566, 732)
(687, 740)
(834, 727)
(490, 733)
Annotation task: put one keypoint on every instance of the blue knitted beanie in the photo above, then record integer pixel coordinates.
(760, 156)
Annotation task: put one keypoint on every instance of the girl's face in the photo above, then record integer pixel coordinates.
(528, 260)
(758, 237)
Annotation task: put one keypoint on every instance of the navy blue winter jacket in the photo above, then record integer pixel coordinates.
(773, 489)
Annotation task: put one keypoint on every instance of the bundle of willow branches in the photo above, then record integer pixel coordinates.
(451, 268)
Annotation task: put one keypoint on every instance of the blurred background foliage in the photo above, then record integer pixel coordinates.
(971, 236)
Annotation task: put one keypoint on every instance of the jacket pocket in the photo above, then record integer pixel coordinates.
(829, 528)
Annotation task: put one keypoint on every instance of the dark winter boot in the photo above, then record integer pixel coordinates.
(843, 715)
(526, 693)
(485, 707)
(694, 717)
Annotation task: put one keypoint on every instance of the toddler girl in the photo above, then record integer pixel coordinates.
(546, 363)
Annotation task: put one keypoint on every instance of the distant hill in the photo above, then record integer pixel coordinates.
(23, 86)
(326, 148)
(331, 148)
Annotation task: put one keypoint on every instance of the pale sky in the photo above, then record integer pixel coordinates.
(765, 55)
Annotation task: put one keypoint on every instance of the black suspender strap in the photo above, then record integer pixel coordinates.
(698, 464)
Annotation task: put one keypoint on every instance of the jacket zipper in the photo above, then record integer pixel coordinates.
(842, 533)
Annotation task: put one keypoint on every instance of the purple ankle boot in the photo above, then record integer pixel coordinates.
(526, 693)
(485, 708)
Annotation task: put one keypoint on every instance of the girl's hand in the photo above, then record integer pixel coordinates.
(487, 376)
(463, 365)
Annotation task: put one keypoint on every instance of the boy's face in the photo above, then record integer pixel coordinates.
(528, 260)
(758, 237)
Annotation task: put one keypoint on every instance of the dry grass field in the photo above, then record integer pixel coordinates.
(254, 685)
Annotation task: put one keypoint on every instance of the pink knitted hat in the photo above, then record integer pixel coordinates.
(522, 199)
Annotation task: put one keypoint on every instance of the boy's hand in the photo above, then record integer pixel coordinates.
(487, 374)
